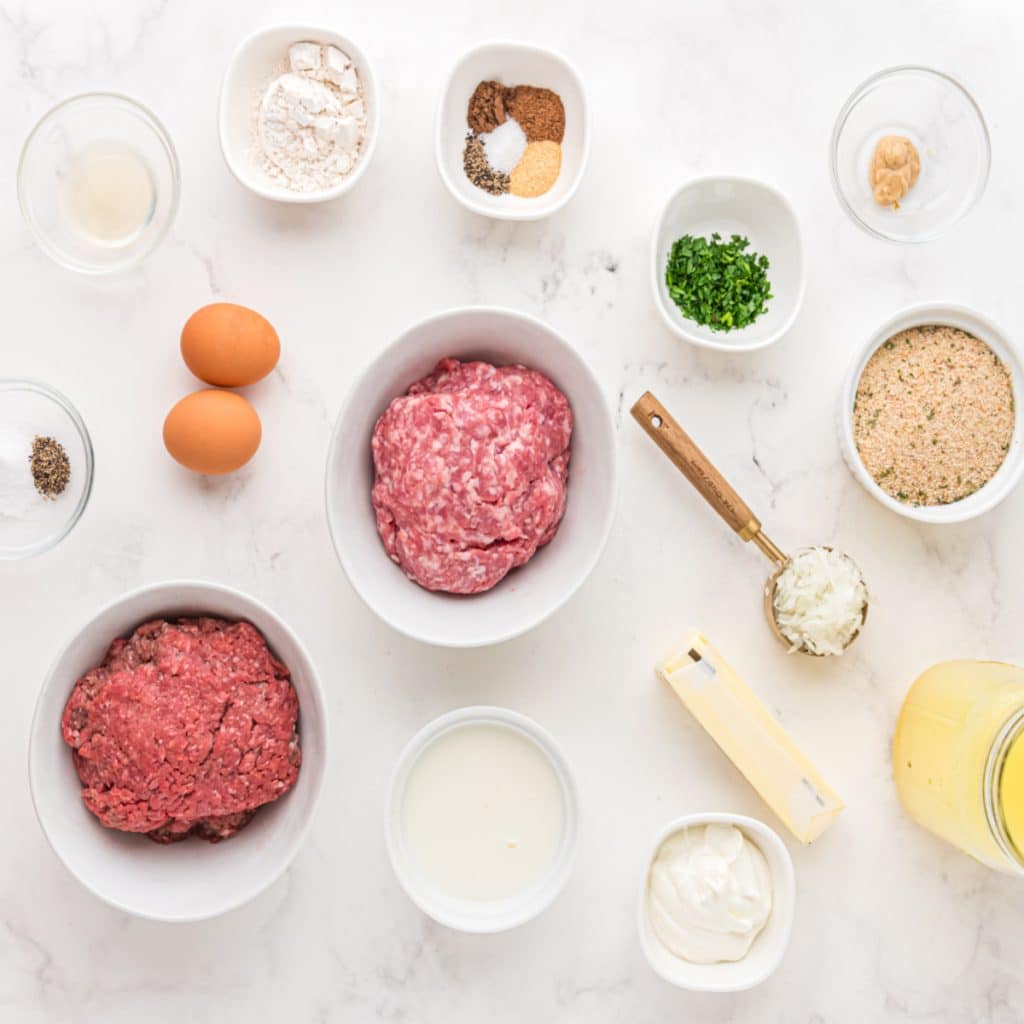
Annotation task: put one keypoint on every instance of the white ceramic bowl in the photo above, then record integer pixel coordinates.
(511, 64)
(769, 946)
(1008, 475)
(468, 915)
(528, 595)
(249, 72)
(191, 880)
(940, 117)
(740, 206)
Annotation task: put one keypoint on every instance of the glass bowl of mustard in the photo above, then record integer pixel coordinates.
(910, 154)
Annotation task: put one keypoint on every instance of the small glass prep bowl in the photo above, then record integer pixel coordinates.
(32, 408)
(945, 124)
(48, 155)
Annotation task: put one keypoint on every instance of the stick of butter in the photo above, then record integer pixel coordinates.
(751, 738)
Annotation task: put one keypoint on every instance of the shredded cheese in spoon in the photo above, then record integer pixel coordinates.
(819, 601)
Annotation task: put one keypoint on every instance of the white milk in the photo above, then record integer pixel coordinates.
(483, 814)
(108, 194)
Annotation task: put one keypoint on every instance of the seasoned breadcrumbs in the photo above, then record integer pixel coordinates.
(933, 416)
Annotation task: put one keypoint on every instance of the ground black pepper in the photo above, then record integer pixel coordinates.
(479, 171)
(51, 468)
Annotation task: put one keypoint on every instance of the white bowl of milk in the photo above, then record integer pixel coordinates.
(483, 819)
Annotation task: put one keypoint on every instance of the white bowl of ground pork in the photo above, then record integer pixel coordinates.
(1009, 473)
(529, 594)
(194, 879)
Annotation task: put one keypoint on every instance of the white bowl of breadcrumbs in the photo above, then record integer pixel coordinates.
(930, 422)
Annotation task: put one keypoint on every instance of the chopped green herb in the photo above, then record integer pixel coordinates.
(718, 284)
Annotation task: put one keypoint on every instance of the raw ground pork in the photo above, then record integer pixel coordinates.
(471, 469)
(185, 729)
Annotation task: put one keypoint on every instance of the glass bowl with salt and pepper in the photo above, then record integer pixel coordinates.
(46, 468)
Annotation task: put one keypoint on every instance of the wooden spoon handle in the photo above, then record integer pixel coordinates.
(695, 466)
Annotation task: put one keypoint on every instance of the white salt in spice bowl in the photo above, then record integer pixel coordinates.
(1009, 473)
(249, 72)
(511, 64)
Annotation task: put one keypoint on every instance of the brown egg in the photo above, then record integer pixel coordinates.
(212, 431)
(229, 345)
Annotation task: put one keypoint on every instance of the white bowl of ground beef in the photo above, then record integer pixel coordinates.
(191, 879)
(564, 548)
(910, 438)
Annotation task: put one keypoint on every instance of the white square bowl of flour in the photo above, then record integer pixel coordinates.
(299, 116)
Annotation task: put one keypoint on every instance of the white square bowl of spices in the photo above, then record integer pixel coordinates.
(930, 422)
(299, 117)
(513, 131)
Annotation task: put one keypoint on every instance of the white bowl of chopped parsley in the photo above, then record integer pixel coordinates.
(727, 264)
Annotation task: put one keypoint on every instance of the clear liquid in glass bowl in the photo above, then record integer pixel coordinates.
(98, 183)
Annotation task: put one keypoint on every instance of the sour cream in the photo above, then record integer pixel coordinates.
(709, 894)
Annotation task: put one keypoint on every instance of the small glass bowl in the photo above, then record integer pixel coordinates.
(36, 409)
(945, 124)
(113, 122)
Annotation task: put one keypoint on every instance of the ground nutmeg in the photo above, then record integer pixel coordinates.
(540, 112)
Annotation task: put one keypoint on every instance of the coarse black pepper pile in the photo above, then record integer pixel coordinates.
(51, 468)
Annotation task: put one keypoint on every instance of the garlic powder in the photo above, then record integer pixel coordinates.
(819, 601)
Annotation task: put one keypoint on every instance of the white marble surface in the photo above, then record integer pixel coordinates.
(891, 926)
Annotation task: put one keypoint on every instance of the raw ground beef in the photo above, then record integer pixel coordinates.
(471, 469)
(185, 729)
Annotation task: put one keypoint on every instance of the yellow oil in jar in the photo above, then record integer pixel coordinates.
(958, 758)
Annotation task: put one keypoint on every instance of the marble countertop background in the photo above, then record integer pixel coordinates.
(891, 925)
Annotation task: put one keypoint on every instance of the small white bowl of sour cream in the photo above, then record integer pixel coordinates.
(769, 946)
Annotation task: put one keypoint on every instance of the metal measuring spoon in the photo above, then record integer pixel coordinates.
(719, 494)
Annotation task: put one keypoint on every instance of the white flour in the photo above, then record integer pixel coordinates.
(312, 119)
